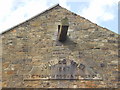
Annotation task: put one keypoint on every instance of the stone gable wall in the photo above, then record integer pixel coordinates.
(35, 43)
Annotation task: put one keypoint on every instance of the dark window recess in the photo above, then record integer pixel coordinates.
(58, 28)
(62, 35)
(63, 29)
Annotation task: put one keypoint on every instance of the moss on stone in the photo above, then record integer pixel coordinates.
(65, 21)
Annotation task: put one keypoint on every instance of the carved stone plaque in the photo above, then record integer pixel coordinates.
(63, 70)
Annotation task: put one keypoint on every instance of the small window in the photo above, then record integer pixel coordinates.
(58, 28)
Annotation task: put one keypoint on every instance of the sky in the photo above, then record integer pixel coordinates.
(101, 12)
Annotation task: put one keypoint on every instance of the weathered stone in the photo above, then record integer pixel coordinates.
(32, 48)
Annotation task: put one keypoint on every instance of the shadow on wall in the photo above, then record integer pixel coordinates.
(68, 43)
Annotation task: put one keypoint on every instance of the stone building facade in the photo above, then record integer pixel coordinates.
(30, 48)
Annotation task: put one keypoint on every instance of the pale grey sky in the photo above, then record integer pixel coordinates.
(102, 12)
